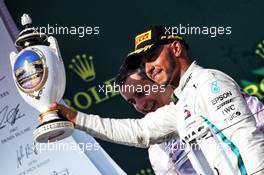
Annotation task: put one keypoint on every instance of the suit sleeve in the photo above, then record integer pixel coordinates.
(155, 127)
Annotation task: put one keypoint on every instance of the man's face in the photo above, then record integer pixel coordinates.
(160, 65)
(141, 101)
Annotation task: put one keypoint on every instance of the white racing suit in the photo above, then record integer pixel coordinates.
(168, 158)
(205, 98)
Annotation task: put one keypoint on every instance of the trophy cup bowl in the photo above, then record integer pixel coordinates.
(39, 75)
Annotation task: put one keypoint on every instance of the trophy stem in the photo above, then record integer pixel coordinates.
(48, 116)
(53, 128)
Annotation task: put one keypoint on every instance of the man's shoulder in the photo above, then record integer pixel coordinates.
(205, 75)
(161, 110)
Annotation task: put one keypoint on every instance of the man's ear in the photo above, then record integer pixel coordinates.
(176, 48)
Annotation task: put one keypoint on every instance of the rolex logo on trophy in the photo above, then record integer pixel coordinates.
(39, 75)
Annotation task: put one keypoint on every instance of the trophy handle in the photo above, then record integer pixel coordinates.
(54, 47)
(12, 57)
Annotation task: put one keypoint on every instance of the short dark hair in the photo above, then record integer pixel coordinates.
(124, 72)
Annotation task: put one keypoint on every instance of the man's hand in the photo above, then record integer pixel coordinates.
(63, 111)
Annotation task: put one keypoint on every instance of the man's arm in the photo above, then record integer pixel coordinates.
(155, 127)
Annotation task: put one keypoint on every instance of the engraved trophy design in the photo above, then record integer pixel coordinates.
(39, 75)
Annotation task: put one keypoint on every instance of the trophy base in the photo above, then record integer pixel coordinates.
(53, 130)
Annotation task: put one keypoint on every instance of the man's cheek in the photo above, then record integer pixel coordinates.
(163, 78)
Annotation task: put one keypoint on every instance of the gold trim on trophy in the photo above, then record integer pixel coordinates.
(43, 114)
